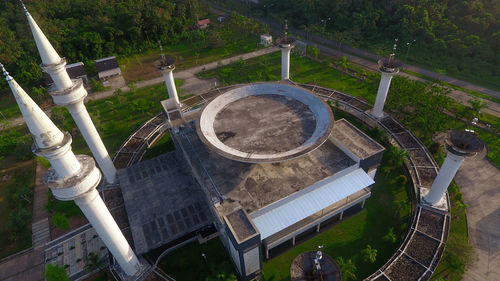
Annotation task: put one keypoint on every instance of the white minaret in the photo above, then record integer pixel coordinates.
(73, 177)
(461, 145)
(388, 68)
(71, 94)
(286, 46)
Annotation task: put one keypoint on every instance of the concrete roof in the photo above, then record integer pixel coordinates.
(265, 123)
(162, 201)
(302, 204)
(357, 142)
(254, 186)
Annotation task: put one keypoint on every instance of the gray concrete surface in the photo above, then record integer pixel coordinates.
(254, 186)
(265, 122)
(479, 181)
(163, 201)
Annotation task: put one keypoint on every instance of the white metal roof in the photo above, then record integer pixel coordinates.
(284, 213)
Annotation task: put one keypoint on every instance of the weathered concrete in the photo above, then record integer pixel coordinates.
(479, 181)
(253, 186)
(265, 122)
(163, 201)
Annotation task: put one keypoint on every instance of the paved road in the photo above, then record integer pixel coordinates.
(192, 84)
(480, 183)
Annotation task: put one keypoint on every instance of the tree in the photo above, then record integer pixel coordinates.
(347, 268)
(399, 181)
(55, 273)
(477, 105)
(393, 158)
(93, 262)
(369, 254)
(17, 222)
(390, 236)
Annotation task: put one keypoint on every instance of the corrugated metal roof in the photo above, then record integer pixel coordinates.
(287, 213)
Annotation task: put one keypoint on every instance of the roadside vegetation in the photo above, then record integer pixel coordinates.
(455, 38)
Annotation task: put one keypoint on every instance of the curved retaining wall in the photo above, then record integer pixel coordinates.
(423, 244)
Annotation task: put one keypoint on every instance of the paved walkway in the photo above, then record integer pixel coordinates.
(192, 84)
(480, 183)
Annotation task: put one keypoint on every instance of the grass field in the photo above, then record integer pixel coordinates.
(187, 263)
(11, 184)
(142, 66)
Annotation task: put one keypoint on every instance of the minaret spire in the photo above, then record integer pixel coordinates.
(71, 94)
(73, 177)
(47, 52)
(45, 133)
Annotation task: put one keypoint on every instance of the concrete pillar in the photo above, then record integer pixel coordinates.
(170, 83)
(99, 216)
(91, 136)
(72, 98)
(285, 61)
(444, 177)
(363, 204)
(341, 216)
(267, 253)
(383, 89)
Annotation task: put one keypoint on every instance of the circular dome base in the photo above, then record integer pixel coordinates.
(265, 122)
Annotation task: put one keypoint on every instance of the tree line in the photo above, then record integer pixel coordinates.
(460, 38)
(84, 30)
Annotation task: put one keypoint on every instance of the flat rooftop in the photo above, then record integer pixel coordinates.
(253, 186)
(265, 123)
(162, 200)
(355, 140)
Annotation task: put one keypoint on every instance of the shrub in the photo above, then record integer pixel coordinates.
(390, 236)
(17, 222)
(55, 273)
(60, 220)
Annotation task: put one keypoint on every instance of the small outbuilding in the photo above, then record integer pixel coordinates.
(203, 23)
(107, 68)
(266, 40)
(75, 71)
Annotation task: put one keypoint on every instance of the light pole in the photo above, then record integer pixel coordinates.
(324, 23)
(408, 45)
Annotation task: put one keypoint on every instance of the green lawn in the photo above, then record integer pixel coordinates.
(349, 237)
(21, 183)
(141, 66)
(187, 263)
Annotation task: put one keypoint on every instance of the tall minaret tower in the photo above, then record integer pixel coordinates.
(71, 94)
(286, 45)
(388, 68)
(73, 177)
(460, 145)
(167, 67)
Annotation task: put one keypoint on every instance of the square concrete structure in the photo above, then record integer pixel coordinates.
(244, 197)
